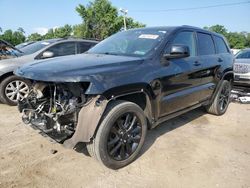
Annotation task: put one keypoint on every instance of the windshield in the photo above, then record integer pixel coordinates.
(245, 54)
(32, 48)
(130, 43)
(19, 46)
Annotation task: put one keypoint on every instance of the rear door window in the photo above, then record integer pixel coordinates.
(186, 38)
(205, 44)
(220, 44)
(83, 47)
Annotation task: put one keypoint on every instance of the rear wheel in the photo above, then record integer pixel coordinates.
(221, 100)
(120, 136)
(13, 89)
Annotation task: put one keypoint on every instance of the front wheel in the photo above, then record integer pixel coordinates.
(13, 89)
(120, 136)
(221, 100)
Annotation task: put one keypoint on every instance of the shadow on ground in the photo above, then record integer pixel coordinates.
(170, 125)
(160, 130)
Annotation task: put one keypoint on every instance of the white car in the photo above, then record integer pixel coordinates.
(242, 68)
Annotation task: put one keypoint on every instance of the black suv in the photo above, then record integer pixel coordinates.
(131, 82)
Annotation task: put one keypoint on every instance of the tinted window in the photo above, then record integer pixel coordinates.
(205, 44)
(61, 49)
(243, 55)
(84, 46)
(186, 38)
(220, 44)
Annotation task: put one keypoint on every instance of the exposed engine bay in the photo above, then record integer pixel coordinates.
(53, 108)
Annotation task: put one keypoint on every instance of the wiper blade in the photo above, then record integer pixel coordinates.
(109, 53)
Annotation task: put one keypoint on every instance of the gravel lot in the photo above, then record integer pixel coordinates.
(193, 150)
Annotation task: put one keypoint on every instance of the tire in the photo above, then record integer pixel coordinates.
(19, 86)
(222, 98)
(127, 138)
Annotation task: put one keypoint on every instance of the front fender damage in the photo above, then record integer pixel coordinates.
(88, 120)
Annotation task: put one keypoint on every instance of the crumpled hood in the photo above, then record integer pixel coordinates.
(77, 68)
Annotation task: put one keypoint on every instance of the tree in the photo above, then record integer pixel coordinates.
(63, 32)
(217, 28)
(248, 40)
(49, 35)
(236, 40)
(14, 38)
(35, 37)
(100, 20)
(21, 30)
(79, 30)
(60, 32)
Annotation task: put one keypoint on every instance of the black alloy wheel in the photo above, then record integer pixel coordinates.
(124, 137)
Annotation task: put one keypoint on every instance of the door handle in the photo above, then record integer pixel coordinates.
(220, 60)
(197, 63)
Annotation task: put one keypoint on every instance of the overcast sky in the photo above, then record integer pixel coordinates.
(39, 15)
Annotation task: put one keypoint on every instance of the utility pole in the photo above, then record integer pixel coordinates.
(125, 12)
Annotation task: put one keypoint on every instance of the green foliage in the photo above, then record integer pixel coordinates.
(60, 32)
(35, 37)
(218, 29)
(133, 24)
(248, 40)
(236, 40)
(15, 37)
(79, 30)
(63, 32)
(49, 35)
(100, 20)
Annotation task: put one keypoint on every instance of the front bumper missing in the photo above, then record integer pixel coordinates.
(88, 120)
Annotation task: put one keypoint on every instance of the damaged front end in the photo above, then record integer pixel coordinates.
(53, 108)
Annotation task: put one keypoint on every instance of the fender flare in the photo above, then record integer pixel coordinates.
(88, 120)
(90, 115)
(219, 84)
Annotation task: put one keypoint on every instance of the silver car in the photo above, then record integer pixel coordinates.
(13, 88)
(242, 68)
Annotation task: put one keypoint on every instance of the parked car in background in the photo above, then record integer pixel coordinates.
(126, 84)
(7, 50)
(242, 68)
(19, 46)
(13, 88)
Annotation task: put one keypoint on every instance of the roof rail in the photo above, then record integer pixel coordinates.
(74, 37)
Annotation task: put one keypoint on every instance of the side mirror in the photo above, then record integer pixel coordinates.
(47, 54)
(178, 51)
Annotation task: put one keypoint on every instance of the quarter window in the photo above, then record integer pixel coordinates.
(186, 38)
(205, 44)
(220, 44)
